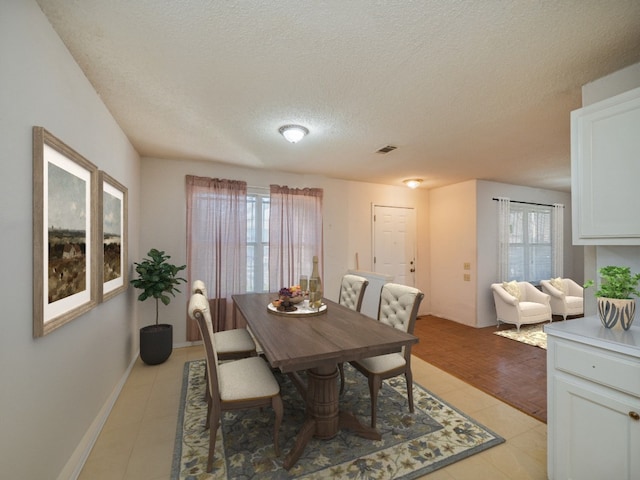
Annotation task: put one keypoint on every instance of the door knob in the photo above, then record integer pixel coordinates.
(634, 415)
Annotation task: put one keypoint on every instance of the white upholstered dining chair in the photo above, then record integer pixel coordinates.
(230, 344)
(352, 290)
(398, 308)
(236, 384)
(520, 303)
(566, 296)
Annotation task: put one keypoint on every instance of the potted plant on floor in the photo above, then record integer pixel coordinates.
(157, 278)
(615, 303)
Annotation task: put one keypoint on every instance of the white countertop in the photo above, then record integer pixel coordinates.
(589, 330)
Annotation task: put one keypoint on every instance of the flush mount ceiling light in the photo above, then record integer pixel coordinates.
(412, 182)
(293, 133)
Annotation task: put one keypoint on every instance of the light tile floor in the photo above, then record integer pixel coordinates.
(137, 440)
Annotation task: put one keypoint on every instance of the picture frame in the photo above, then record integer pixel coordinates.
(65, 192)
(113, 237)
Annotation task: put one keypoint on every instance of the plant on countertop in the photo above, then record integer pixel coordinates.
(157, 278)
(617, 282)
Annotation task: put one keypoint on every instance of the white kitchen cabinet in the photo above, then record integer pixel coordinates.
(605, 167)
(593, 401)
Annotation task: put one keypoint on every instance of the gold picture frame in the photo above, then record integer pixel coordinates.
(65, 192)
(113, 237)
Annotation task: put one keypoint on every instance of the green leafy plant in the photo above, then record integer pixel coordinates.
(157, 278)
(617, 282)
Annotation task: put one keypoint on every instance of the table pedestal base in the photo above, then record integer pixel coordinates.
(324, 418)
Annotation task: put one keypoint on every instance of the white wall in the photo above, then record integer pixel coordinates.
(452, 219)
(347, 221)
(52, 388)
(464, 229)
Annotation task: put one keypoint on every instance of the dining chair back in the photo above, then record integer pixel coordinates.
(398, 308)
(352, 290)
(233, 385)
(230, 344)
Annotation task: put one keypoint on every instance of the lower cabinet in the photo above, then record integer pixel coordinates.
(593, 423)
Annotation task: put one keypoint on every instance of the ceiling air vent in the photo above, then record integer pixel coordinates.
(386, 149)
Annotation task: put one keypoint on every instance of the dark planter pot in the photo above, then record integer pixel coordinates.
(156, 343)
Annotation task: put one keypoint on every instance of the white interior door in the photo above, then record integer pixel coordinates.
(394, 243)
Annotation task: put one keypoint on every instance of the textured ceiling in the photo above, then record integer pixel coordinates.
(465, 89)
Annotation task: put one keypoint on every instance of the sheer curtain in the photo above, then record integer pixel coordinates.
(295, 234)
(217, 245)
(504, 213)
(558, 239)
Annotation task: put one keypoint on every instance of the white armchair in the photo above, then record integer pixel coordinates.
(566, 296)
(520, 303)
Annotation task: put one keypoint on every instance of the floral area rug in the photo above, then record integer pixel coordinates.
(412, 445)
(531, 335)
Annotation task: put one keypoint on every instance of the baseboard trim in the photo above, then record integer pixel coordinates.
(73, 467)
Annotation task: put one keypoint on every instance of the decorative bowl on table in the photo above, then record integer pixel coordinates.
(287, 298)
(296, 299)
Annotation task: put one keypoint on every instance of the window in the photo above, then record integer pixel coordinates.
(530, 242)
(216, 244)
(258, 209)
(297, 216)
(295, 235)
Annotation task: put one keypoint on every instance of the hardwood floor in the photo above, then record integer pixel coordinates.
(511, 371)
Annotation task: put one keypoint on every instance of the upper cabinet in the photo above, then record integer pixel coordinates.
(605, 171)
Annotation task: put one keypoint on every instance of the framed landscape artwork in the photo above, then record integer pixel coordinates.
(112, 205)
(65, 193)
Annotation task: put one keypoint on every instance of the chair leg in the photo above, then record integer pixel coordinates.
(409, 376)
(374, 387)
(207, 423)
(341, 369)
(213, 430)
(276, 403)
(206, 383)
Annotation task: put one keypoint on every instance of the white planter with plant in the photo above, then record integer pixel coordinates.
(157, 279)
(616, 307)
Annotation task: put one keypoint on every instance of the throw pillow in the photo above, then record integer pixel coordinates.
(558, 283)
(512, 288)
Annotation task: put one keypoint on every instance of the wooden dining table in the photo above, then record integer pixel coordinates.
(317, 344)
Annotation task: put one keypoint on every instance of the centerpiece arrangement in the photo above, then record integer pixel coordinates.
(308, 288)
(287, 303)
(288, 297)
